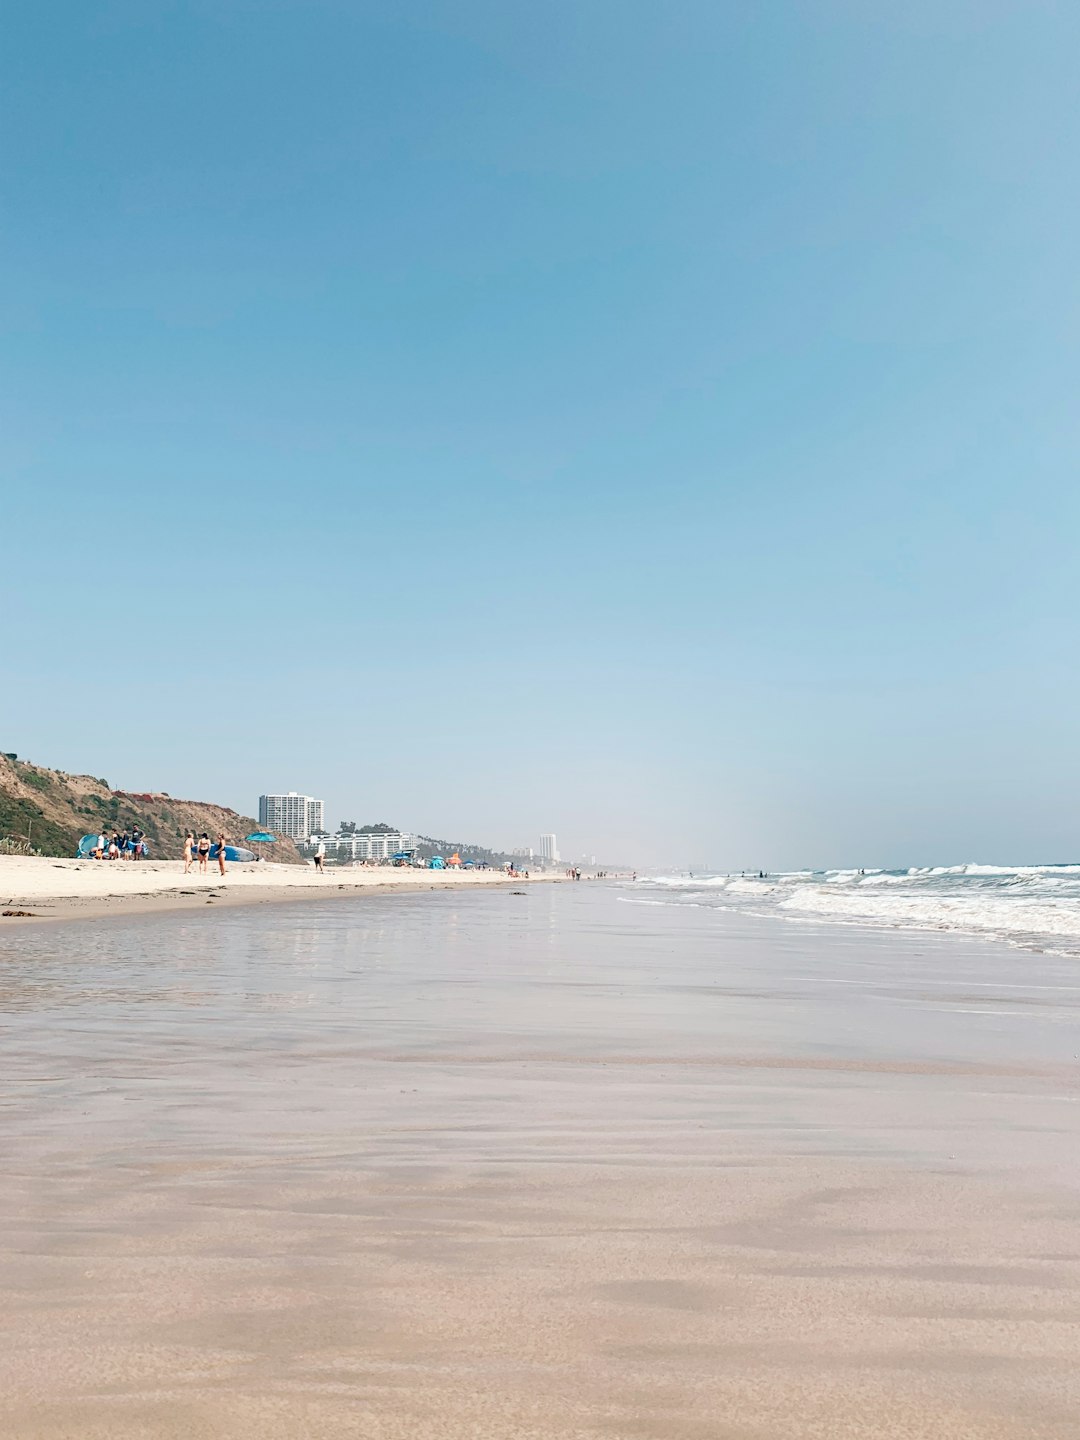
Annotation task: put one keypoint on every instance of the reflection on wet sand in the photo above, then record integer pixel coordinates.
(484, 1167)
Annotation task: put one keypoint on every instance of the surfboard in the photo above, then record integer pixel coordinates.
(236, 853)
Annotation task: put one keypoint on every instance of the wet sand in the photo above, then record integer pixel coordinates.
(543, 1166)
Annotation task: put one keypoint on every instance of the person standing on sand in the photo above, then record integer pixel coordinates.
(221, 853)
(203, 852)
(189, 847)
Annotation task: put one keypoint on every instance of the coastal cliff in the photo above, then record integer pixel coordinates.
(47, 811)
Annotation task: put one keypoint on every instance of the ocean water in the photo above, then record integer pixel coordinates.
(1036, 907)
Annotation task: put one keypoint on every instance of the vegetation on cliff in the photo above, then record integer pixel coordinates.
(47, 811)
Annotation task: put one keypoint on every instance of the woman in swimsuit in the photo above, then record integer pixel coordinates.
(189, 845)
(221, 853)
(204, 852)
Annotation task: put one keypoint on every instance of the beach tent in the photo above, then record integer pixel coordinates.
(87, 846)
(436, 863)
(455, 859)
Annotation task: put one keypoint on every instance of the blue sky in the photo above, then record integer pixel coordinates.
(651, 422)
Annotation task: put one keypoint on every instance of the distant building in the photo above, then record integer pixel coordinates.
(297, 816)
(549, 851)
(367, 844)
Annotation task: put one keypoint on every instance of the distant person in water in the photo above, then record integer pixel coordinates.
(203, 852)
(221, 853)
(189, 851)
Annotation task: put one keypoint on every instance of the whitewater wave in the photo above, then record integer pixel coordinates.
(1037, 906)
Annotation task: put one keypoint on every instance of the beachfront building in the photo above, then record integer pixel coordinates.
(549, 851)
(372, 842)
(296, 816)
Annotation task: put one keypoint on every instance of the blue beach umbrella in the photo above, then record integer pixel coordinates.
(261, 837)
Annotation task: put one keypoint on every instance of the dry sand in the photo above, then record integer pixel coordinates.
(53, 889)
(497, 1168)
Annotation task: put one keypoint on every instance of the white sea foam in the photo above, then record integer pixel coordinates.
(1035, 905)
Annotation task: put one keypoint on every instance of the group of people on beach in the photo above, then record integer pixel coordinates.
(200, 850)
(131, 845)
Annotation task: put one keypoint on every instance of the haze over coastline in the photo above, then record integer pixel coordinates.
(655, 424)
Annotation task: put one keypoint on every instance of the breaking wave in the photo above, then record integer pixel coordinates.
(1035, 906)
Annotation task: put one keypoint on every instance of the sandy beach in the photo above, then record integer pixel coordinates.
(547, 1166)
(54, 889)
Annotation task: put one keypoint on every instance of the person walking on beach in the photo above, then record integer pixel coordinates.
(203, 852)
(319, 860)
(189, 847)
(221, 853)
(136, 844)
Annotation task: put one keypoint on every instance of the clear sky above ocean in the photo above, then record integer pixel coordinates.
(652, 422)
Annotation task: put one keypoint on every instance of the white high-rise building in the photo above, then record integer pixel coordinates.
(549, 851)
(297, 816)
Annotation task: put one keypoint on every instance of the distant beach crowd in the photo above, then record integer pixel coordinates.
(131, 845)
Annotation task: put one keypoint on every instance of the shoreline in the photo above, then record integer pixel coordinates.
(42, 890)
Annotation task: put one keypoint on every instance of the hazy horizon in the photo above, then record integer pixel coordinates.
(655, 425)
